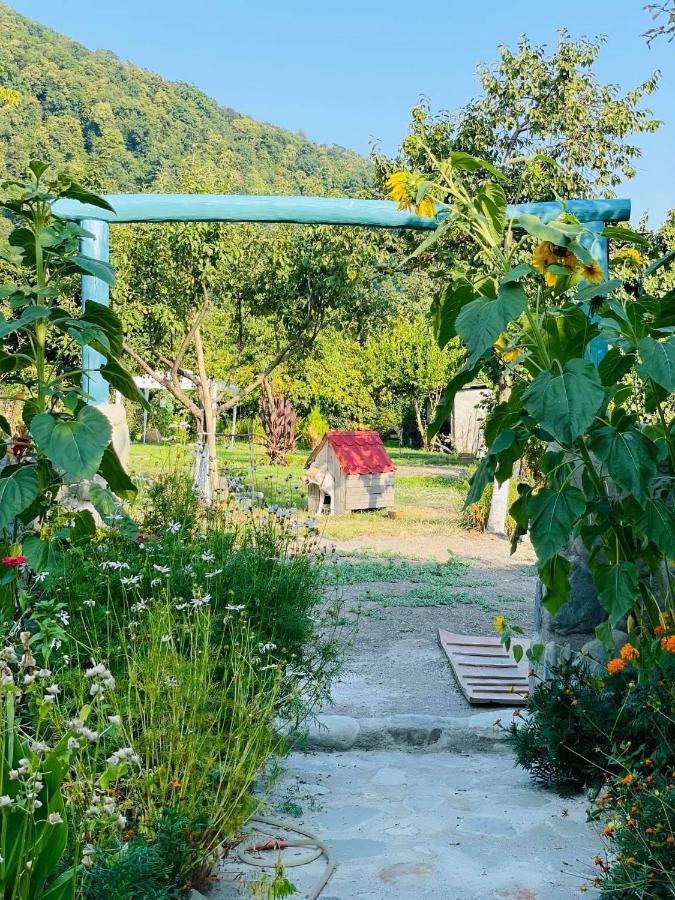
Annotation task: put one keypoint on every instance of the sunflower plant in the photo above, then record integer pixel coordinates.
(586, 371)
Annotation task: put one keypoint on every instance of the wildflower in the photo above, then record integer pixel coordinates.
(173, 528)
(63, 617)
(403, 186)
(668, 643)
(5, 800)
(629, 652)
(115, 565)
(501, 345)
(132, 579)
(13, 774)
(163, 570)
(631, 255)
(55, 644)
(73, 744)
(500, 624)
(630, 860)
(233, 608)
(208, 557)
(124, 754)
(87, 855)
(627, 779)
(170, 680)
(166, 638)
(55, 819)
(175, 785)
(614, 666)
(115, 720)
(13, 561)
(608, 831)
(592, 272)
(196, 602)
(155, 582)
(54, 690)
(89, 603)
(659, 630)
(213, 574)
(39, 747)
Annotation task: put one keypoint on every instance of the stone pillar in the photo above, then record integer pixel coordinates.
(573, 627)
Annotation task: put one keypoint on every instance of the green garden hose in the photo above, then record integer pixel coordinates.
(306, 839)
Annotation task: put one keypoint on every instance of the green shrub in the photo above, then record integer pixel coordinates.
(153, 865)
(575, 718)
(314, 427)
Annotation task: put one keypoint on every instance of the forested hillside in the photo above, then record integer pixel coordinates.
(117, 127)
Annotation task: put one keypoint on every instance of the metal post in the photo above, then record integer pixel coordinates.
(94, 289)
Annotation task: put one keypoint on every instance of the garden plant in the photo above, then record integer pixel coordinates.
(149, 643)
(586, 375)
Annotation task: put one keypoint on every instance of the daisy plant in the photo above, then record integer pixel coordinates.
(586, 372)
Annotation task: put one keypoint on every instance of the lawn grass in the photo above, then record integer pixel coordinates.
(427, 504)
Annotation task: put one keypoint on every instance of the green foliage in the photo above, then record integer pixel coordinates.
(120, 128)
(575, 718)
(607, 475)
(153, 865)
(408, 370)
(545, 114)
(314, 427)
(59, 437)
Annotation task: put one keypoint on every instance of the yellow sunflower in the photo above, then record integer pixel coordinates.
(548, 254)
(397, 187)
(631, 255)
(402, 187)
(592, 273)
(500, 624)
(501, 345)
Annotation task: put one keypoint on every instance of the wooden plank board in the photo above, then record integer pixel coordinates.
(485, 672)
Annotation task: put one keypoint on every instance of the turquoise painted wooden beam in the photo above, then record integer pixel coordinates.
(303, 210)
(96, 290)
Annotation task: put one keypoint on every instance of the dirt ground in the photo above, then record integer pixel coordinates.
(395, 665)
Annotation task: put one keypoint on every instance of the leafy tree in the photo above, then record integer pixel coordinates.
(116, 127)
(664, 15)
(408, 369)
(538, 104)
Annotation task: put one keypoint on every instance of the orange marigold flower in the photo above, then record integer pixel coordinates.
(630, 860)
(628, 651)
(175, 785)
(668, 643)
(631, 823)
(660, 629)
(649, 831)
(614, 666)
(649, 762)
(627, 778)
(649, 779)
(670, 839)
(608, 830)
(598, 861)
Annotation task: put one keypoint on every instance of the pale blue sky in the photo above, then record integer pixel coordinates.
(347, 72)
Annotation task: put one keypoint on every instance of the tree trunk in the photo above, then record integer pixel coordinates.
(417, 405)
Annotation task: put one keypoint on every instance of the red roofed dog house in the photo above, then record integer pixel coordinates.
(349, 470)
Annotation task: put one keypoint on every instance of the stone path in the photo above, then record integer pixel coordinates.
(444, 814)
(436, 826)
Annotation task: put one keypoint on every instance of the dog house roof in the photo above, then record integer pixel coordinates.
(358, 452)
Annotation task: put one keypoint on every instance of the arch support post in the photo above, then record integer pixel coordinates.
(93, 289)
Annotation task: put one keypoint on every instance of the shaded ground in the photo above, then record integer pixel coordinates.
(435, 826)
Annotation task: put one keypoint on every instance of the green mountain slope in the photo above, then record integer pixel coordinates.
(119, 128)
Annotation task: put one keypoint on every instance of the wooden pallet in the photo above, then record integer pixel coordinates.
(485, 672)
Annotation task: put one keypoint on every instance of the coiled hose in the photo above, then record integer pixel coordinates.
(317, 847)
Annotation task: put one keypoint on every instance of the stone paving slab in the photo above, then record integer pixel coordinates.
(435, 826)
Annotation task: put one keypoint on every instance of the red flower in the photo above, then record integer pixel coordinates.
(13, 561)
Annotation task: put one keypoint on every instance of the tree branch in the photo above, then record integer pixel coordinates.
(166, 382)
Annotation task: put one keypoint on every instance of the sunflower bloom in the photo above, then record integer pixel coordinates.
(500, 624)
(631, 255)
(402, 187)
(592, 273)
(614, 666)
(501, 345)
(548, 254)
(397, 188)
(629, 652)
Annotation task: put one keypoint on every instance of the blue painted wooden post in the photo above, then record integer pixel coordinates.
(599, 247)
(94, 289)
